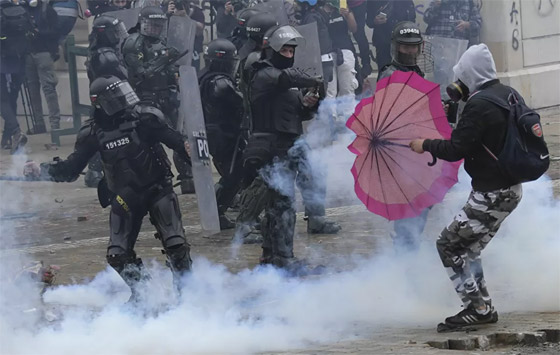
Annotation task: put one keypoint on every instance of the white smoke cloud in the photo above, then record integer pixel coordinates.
(262, 310)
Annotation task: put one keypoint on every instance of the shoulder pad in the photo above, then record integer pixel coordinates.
(132, 43)
(150, 115)
(107, 55)
(252, 58)
(262, 64)
(221, 80)
(223, 86)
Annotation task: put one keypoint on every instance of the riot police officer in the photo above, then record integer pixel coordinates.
(278, 109)
(239, 34)
(222, 104)
(253, 198)
(104, 58)
(406, 46)
(256, 27)
(153, 75)
(250, 53)
(104, 54)
(137, 174)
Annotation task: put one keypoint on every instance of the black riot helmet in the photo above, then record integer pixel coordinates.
(276, 38)
(107, 31)
(221, 56)
(112, 94)
(239, 5)
(259, 24)
(406, 43)
(152, 21)
(245, 15)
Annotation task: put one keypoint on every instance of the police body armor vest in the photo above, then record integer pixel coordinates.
(215, 109)
(156, 85)
(277, 110)
(130, 162)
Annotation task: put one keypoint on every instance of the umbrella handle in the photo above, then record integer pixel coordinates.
(434, 161)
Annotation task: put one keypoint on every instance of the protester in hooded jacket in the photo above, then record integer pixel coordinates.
(493, 197)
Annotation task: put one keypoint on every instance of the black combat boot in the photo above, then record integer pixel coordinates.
(187, 186)
(322, 225)
(226, 223)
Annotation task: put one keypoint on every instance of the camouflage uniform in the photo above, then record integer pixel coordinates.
(461, 242)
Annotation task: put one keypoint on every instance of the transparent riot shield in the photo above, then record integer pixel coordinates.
(445, 53)
(127, 16)
(181, 31)
(276, 8)
(191, 124)
(308, 55)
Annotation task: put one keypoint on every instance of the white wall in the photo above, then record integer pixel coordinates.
(524, 37)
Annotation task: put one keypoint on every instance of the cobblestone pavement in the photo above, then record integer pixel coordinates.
(63, 225)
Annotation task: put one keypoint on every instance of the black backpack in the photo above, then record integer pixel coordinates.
(16, 28)
(524, 156)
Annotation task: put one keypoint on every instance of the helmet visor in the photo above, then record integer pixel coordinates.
(152, 27)
(406, 54)
(227, 65)
(115, 98)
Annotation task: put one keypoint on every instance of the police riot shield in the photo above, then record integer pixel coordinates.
(276, 8)
(445, 53)
(181, 31)
(308, 55)
(191, 124)
(127, 16)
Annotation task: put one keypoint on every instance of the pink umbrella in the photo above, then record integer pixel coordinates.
(390, 179)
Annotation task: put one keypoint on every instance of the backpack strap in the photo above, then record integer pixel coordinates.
(512, 99)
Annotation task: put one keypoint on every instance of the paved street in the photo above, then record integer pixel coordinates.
(369, 302)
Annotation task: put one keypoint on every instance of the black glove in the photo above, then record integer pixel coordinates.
(172, 53)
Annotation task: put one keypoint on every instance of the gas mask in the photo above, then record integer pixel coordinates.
(458, 91)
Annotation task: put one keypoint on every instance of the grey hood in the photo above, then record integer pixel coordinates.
(475, 67)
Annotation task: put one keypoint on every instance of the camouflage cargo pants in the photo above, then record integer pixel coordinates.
(461, 242)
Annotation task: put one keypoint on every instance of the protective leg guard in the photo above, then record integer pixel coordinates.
(279, 225)
(165, 215)
(252, 202)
